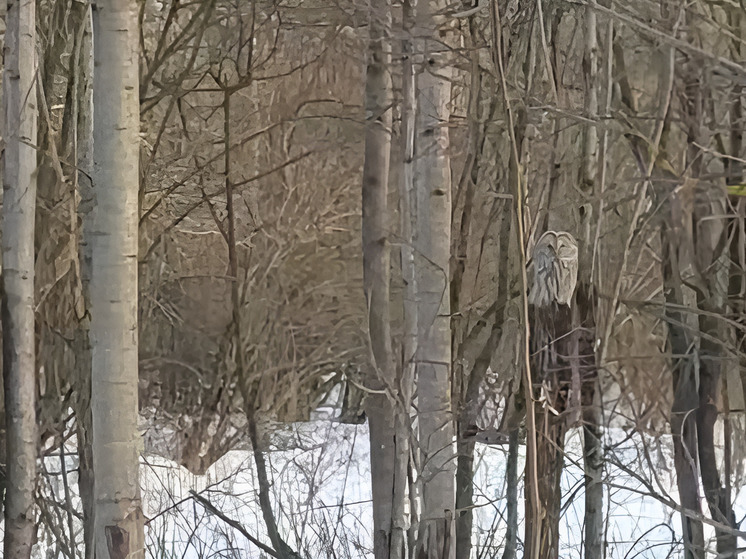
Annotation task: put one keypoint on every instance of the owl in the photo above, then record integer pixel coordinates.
(555, 262)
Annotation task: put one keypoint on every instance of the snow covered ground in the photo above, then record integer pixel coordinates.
(321, 492)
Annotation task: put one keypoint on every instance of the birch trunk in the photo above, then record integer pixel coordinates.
(113, 287)
(380, 403)
(436, 538)
(19, 199)
(407, 217)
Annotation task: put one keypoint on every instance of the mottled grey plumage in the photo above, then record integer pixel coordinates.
(555, 261)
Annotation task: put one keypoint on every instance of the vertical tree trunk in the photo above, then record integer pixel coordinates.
(718, 498)
(113, 286)
(511, 495)
(593, 465)
(590, 75)
(407, 220)
(380, 404)
(683, 425)
(676, 238)
(468, 382)
(549, 465)
(711, 234)
(465, 463)
(469, 404)
(592, 413)
(81, 138)
(711, 261)
(433, 230)
(734, 164)
(19, 203)
(548, 407)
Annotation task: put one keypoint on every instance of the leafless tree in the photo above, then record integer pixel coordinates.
(118, 518)
(18, 304)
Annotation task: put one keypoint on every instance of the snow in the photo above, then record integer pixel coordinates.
(321, 495)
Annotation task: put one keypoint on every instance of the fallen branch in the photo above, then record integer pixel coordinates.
(234, 523)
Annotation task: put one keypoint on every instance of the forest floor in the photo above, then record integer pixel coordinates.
(321, 494)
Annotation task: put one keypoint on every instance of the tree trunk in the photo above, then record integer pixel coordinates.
(562, 349)
(113, 286)
(407, 221)
(82, 152)
(711, 234)
(677, 252)
(718, 499)
(593, 464)
(19, 203)
(467, 383)
(469, 405)
(281, 547)
(511, 495)
(465, 446)
(593, 174)
(542, 534)
(683, 425)
(711, 262)
(433, 241)
(380, 403)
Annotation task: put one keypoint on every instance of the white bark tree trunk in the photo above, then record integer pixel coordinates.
(433, 242)
(113, 288)
(19, 205)
(406, 491)
(380, 403)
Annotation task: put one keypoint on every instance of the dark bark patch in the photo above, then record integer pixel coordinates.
(118, 542)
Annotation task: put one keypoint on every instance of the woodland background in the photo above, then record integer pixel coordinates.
(338, 207)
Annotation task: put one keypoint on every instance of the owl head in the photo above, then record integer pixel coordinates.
(555, 269)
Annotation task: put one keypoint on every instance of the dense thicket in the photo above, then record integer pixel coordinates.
(509, 224)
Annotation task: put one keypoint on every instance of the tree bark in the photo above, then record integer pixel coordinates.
(511, 495)
(683, 424)
(469, 405)
(465, 446)
(548, 407)
(711, 234)
(113, 286)
(710, 258)
(467, 383)
(677, 252)
(281, 547)
(436, 538)
(19, 204)
(593, 182)
(407, 220)
(82, 152)
(562, 348)
(381, 402)
(593, 464)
